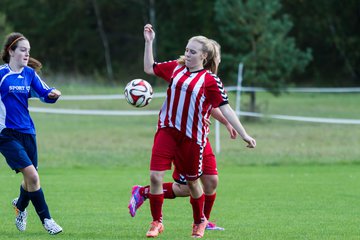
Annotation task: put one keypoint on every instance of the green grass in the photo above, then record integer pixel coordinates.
(285, 202)
(301, 181)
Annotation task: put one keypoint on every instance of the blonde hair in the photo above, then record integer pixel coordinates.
(217, 53)
(208, 47)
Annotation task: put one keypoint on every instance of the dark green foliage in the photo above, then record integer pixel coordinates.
(5, 27)
(254, 33)
(332, 29)
(64, 34)
(271, 37)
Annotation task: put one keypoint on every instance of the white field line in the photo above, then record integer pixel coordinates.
(156, 112)
(231, 88)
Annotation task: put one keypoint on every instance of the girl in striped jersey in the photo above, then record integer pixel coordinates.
(209, 178)
(17, 138)
(182, 130)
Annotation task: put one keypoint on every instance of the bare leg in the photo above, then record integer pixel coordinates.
(210, 183)
(31, 182)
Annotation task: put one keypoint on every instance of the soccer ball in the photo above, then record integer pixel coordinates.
(138, 93)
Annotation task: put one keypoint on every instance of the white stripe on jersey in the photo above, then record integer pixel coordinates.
(186, 102)
(169, 112)
(178, 119)
(190, 119)
(220, 85)
(2, 114)
(162, 114)
(5, 76)
(201, 134)
(43, 84)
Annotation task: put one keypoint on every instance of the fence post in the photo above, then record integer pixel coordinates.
(237, 108)
(217, 136)
(238, 89)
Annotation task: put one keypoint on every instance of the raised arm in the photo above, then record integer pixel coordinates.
(149, 36)
(231, 117)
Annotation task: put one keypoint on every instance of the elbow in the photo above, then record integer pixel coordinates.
(149, 70)
(146, 70)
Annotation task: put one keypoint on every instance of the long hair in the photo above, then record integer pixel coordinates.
(206, 47)
(217, 54)
(11, 43)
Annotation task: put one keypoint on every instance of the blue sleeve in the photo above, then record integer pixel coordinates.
(40, 90)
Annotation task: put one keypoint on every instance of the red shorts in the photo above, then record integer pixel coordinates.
(209, 165)
(172, 146)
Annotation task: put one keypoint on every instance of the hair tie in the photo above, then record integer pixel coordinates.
(17, 39)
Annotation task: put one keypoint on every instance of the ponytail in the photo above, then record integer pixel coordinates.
(35, 64)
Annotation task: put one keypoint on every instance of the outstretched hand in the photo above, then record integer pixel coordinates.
(251, 142)
(54, 94)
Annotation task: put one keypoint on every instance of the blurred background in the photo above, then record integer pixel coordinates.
(299, 183)
(281, 42)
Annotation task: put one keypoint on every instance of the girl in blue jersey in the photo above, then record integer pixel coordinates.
(18, 83)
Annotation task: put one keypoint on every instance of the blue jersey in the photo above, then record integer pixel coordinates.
(15, 90)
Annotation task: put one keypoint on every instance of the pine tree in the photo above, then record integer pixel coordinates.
(5, 28)
(254, 32)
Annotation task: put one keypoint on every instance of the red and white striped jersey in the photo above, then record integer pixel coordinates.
(189, 100)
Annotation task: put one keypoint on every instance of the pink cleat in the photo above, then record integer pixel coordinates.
(136, 200)
(212, 226)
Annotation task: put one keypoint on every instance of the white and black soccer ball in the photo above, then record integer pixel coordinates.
(138, 93)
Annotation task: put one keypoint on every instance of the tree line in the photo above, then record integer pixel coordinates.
(280, 42)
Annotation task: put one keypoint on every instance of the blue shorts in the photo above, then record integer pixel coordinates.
(19, 149)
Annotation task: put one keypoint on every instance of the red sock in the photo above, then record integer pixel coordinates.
(198, 208)
(168, 191)
(144, 191)
(209, 202)
(156, 202)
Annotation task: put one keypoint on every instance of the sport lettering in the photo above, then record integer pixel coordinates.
(19, 89)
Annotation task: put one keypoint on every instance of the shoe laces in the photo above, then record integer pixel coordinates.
(50, 223)
(21, 215)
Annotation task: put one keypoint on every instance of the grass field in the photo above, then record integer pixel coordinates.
(301, 182)
(282, 202)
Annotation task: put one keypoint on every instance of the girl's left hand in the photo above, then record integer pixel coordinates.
(54, 94)
(250, 141)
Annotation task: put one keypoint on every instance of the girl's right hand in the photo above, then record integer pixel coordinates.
(54, 94)
(232, 131)
(149, 33)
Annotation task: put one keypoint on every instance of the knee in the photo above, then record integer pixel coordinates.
(210, 185)
(156, 178)
(156, 181)
(31, 179)
(192, 184)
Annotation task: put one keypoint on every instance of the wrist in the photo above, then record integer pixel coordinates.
(244, 136)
